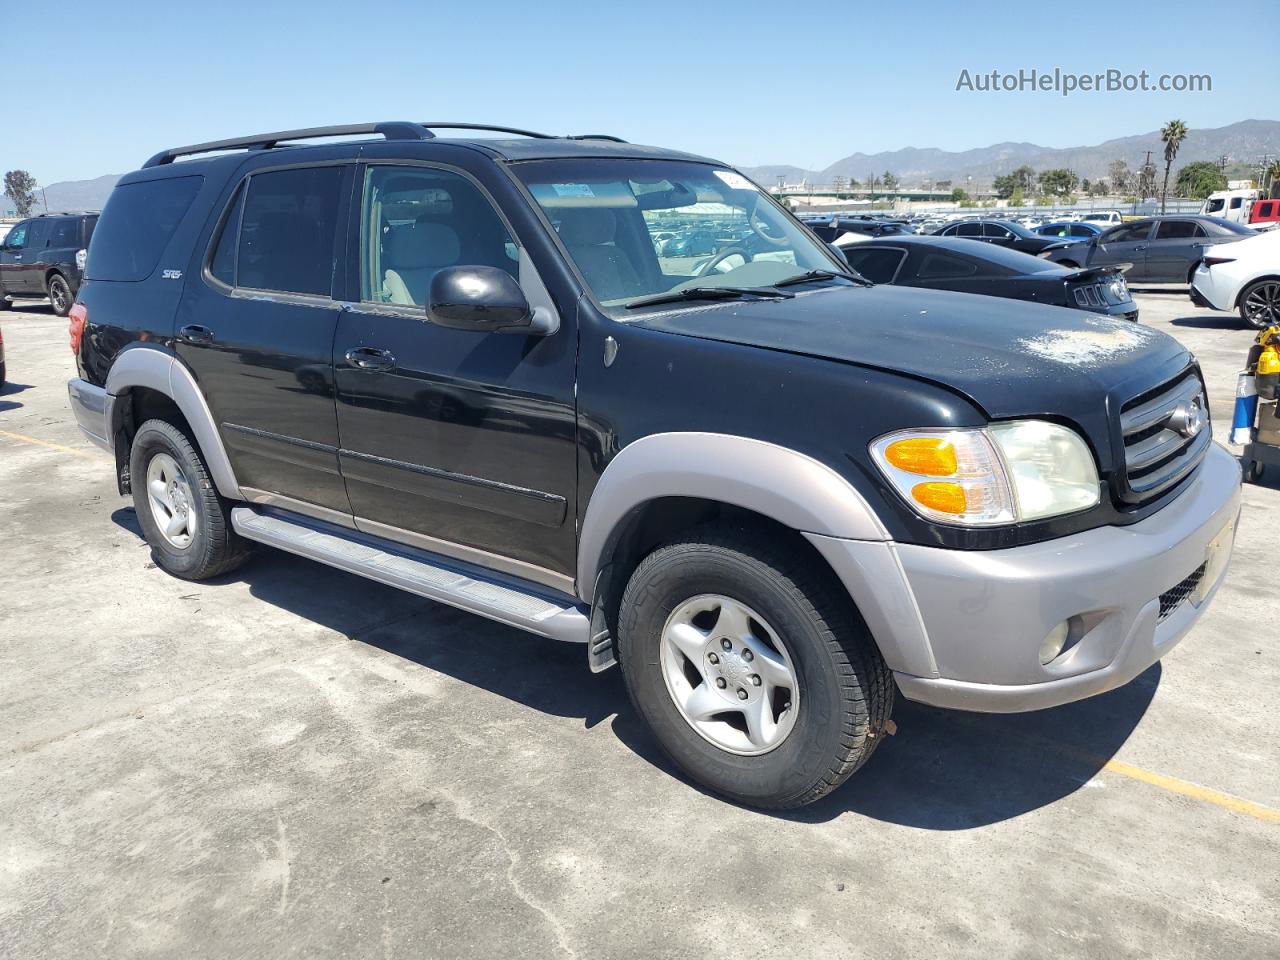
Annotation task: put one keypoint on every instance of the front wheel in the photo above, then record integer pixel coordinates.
(752, 668)
(185, 521)
(60, 295)
(1260, 304)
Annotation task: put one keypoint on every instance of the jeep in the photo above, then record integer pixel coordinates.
(44, 258)
(776, 495)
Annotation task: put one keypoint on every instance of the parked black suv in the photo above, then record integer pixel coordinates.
(773, 492)
(44, 257)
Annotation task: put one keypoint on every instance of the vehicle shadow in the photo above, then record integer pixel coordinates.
(8, 390)
(943, 770)
(1222, 321)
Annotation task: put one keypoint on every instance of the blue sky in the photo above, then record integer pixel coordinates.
(739, 80)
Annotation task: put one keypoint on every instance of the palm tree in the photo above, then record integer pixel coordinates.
(1172, 133)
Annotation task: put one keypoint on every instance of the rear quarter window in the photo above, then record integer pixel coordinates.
(136, 226)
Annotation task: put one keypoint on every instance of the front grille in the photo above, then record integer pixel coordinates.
(1166, 434)
(1172, 598)
(1090, 296)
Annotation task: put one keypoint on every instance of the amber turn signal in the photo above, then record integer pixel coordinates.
(941, 496)
(925, 456)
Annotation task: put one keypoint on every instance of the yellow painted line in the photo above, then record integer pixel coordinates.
(1185, 788)
(23, 438)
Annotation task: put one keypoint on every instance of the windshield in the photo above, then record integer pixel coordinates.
(640, 228)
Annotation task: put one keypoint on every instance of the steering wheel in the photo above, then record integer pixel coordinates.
(761, 227)
(723, 255)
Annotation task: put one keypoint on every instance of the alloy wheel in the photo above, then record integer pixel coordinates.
(1262, 306)
(729, 674)
(170, 498)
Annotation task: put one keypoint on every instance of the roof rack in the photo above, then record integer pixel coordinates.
(392, 130)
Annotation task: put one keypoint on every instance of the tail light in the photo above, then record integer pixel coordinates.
(79, 319)
(81, 257)
(1214, 261)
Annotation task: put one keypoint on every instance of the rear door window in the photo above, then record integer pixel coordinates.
(1176, 230)
(136, 226)
(66, 233)
(968, 230)
(281, 236)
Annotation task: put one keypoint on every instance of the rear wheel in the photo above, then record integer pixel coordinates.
(185, 521)
(60, 295)
(752, 668)
(1260, 304)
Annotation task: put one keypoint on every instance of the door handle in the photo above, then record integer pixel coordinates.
(1141, 246)
(194, 333)
(371, 358)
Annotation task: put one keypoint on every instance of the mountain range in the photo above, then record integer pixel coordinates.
(1242, 142)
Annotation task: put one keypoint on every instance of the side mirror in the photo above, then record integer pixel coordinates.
(481, 299)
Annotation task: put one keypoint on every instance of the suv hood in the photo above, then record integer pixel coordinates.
(1008, 357)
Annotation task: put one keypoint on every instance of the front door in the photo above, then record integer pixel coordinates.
(257, 331)
(1124, 244)
(11, 257)
(458, 441)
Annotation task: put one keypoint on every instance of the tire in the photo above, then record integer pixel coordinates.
(1253, 471)
(845, 692)
(211, 546)
(3, 378)
(5, 302)
(60, 296)
(1267, 295)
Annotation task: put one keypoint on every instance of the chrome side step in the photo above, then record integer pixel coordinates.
(416, 571)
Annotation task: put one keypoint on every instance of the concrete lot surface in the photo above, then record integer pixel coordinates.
(292, 761)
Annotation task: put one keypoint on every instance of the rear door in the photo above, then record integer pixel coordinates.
(1174, 250)
(257, 331)
(1126, 243)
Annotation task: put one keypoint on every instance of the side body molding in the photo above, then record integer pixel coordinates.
(782, 484)
(157, 370)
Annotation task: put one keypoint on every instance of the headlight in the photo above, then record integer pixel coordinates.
(1012, 471)
(1119, 289)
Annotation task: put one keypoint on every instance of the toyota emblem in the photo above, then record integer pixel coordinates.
(1188, 418)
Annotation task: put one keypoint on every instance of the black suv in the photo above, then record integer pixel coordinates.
(774, 493)
(44, 257)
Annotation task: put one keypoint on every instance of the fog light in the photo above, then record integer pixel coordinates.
(1054, 642)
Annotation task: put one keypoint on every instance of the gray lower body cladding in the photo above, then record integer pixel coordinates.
(963, 629)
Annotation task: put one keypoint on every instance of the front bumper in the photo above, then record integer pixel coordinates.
(92, 409)
(962, 629)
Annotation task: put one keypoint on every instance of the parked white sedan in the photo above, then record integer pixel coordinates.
(1243, 276)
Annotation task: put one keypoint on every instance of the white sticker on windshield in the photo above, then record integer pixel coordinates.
(572, 190)
(735, 181)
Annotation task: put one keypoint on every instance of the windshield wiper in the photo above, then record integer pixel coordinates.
(810, 275)
(710, 293)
